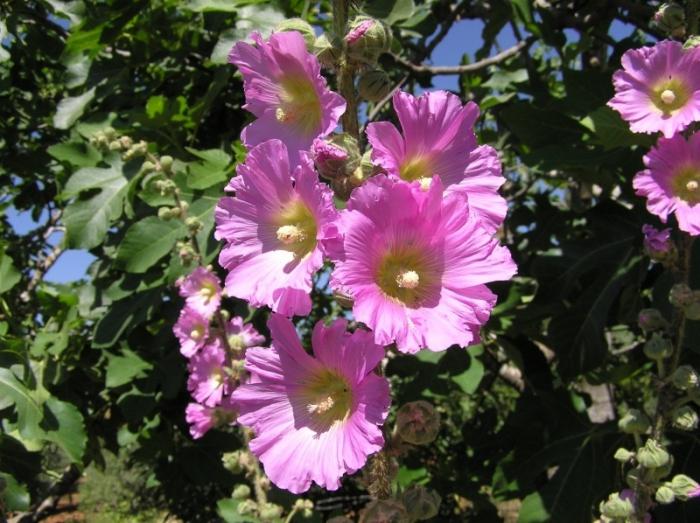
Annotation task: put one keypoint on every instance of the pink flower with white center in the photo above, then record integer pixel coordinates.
(656, 241)
(438, 139)
(202, 419)
(272, 228)
(202, 291)
(671, 181)
(242, 335)
(208, 380)
(284, 89)
(658, 88)
(317, 417)
(191, 330)
(416, 264)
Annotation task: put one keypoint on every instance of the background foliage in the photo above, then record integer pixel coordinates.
(91, 369)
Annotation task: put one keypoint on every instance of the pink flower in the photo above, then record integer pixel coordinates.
(242, 335)
(656, 241)
(202, 419)
(284, 89)
(438, 139)
(272, 228)
(671, 181)
(314, 418)
(658, 88)
(416, 264)
(192, 331)
(202, 291)
(208, 381)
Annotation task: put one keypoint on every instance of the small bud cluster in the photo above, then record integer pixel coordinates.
(670, 19)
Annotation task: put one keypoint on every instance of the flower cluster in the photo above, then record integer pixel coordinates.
(214, 352)
(412, 251)
(658, 90)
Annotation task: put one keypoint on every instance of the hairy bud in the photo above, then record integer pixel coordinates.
(664, 495)
(305, 506)
(193, 224)
(335, 157)
(328, 52)
(670, 18)
(616, 507)
(241, 492)
(374, 85)
(685, 378)
(658, 347)
(623, 455)
(421, 503)
(650, 320)
(166, 163)
(418, 422)
(685, 418)
(652, 455)
(367, 39)
(384, 511)
(634, 422)
(270, 511)
(234, 461)
(684, 487)
(299, 25)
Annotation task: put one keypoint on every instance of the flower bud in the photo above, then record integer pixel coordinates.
(115, 145)
(664, 495)
(166, 213)
(166, 163)
(148, 166)
(126, 142)
(652, 455)
(374, 85)
(384, 511)
(337, 157)
(670, 18)
(634, 422)
(247, 506)
(418, 422)
(193, 224)
(367, 39)
(270, 511)
(684, 487)
(327, 52)
(692, 310)
(693, 41)
(299, 25)
(233, 461)
(650, 320)
(305, 506)
(658, 348)
(680, 296)
(623, 455)
(616, 507)
(421, 503)
(241, 492)
(685, 418)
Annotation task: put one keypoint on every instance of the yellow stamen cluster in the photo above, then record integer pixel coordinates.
(407, 279)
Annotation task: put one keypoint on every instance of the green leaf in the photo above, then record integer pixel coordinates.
(4, 54)
(538, 127)
(205, 6)
(125, 368)
(88, 219)
(228, 510)
(14, 495)
(391, 11)
(123, 315)
(71, 108)
(29, 411)
(250, 18)
(469, 379)
(212, 170)
(147, 241)
(63, 424)
(79, 154)
(611, 131)
(9, 275)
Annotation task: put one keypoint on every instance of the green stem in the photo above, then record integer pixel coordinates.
(692, 16)
(291, 515)
(346, 74)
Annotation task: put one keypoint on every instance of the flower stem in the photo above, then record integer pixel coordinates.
(346, 80)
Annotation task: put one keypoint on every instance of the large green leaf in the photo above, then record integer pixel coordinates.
(123, 315)
(14, 495)
(29, 410)
(250, 18)
(71, 108)
(125, 368)
(147, 241)
(211, 170)
(611, 131)
(80, 154)
(536, 126)
(9, 275)
(89, 216)
(63, 424)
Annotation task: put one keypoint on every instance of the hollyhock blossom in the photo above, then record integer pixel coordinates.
(317, 417)
(241, 335)
(208, 380)
(202, 418)
(658, 88)
(272, 228)
(284, 89)
(671, 181)
(416, 264)
(656, 241)
(202, 291)
(438, 139)
(191, 330)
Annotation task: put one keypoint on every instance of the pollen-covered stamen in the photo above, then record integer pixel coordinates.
(290, 234)
(282, 115)
(425, 182)
(208, 291)
(235, 341)
(692, 186)
(668, 96)
(197, 333)
(407, 279)
(323, 406)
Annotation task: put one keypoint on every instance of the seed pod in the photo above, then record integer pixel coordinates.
(374, 85)
(421, 503)
(418, 422)
(384, 511)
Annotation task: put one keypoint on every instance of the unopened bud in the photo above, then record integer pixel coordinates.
(166, 213)
(652, 455)
(126, 142)
(421, 503)
(166, 163)
(616, 507)
(634, 422)
(193, 224)
(634, 476)
(270, 511)
(374, 85)
(684, 487)
(658, 244)
(623, 455)
(670, 18)
(336, 157)
(241, 492)
(664, 495)
(680, 296)
(299, 25)
(305, 506)
(693, 41)
(148, 166)
(685, 418)
(650, 320)
(367, 39)
(418, 422)
(232, 461)
(115, 145)
(685, 378)
(247, 506)
(384, 511)
(327, 52)
(658, 348)
(692, 309)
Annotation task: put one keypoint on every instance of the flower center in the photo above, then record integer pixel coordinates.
(407, 279)
(299, 104)
(235, 341)
(327, 399)
(415, 168)
(296, 229)
(425, 182)
(197, 333)
(208, 291)
(406, 275)
(670, 95)
(686, 185)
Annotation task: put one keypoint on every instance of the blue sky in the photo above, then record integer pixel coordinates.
(465, 37)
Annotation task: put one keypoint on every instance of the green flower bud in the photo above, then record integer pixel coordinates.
(658, 347)
(246, 507)
(374, 85)
(650, 320)
(384, 511)
(684, 487)
(148, 166)
(652, 455)
(367, 39)
(623, 455)
(166, 163)
(115, 145)
(616, 507)
(301, 26)
(166, 213)
(661, 472)
(670, 18)
(327, 52)
(664, 495)
(305, 506)
(418, 422)
(685, 378)
(693, 41)
(270, 511)
(680, 296)
(126, 142)
(421, 503)
(634, 422)
(110, 133)
(232, 461)
(193, 224)
(241, 492)
(685, 418)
